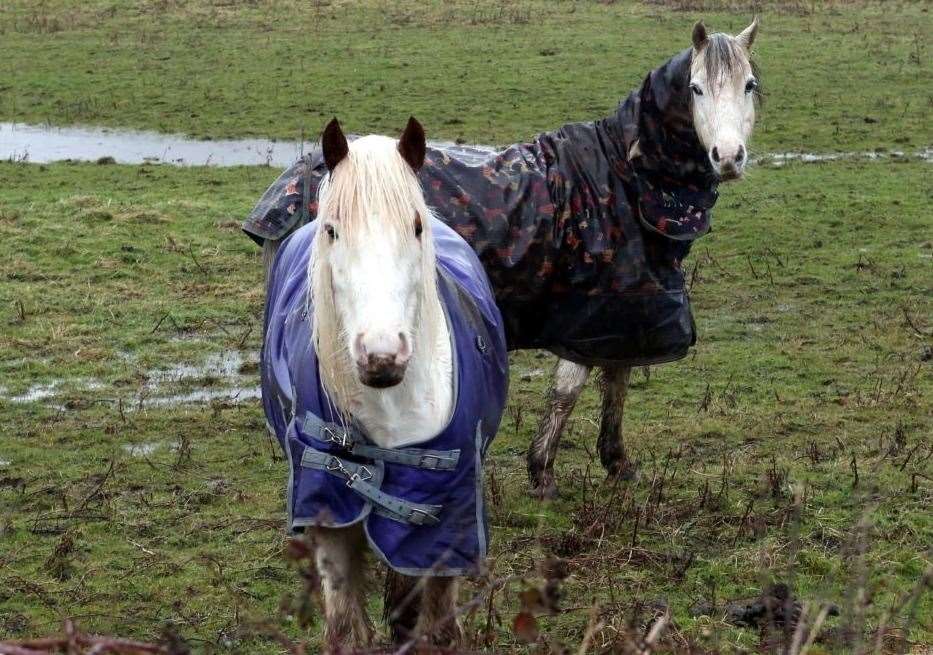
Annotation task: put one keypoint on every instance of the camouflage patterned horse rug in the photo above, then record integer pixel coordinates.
(582, 231)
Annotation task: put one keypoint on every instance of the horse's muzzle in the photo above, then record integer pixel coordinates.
(730, 173)
(381, 371)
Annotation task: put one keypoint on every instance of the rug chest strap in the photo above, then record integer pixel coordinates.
(354, 443)
(358, 477)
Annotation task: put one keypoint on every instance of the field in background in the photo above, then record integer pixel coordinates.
(792, 446)
(838, 75)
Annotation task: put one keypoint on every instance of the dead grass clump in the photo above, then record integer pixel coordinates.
(143, 216)
(95, 214)
(83, 202)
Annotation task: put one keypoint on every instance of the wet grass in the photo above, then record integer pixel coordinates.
(803, 412)
(839, 75)
(793, 445)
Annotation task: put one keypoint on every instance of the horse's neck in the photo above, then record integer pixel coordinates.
(420, 406)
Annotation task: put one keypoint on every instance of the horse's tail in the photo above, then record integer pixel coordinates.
(269, 248)
(401, 605)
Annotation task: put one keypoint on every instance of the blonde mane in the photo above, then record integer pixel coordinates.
(372, 193)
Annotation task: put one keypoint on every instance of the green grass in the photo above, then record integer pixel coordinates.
(803, 411)
(806, 371)
(839, 75)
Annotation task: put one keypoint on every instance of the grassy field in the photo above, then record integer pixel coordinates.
(839, 74)
(793, 445)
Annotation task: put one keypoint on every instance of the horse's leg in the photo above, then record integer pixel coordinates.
(615, 381)
(567, 383)
(401, 605)
(340, 558)
(437, 622)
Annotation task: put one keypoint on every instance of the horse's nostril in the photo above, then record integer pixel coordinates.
(741, 154)
(404, 350)
(715, 154)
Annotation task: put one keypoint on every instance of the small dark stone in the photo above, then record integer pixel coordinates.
(775, 605)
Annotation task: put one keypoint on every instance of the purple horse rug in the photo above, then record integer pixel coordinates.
(421, 507)
(582, 231)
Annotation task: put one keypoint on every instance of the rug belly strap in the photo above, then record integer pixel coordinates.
(358, 477)
(349, 439)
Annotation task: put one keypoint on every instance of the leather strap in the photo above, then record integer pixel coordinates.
(358, 477)
(353, 442)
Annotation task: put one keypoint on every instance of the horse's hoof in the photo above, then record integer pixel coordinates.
(447, 636)
(624, 471)
(544, 491)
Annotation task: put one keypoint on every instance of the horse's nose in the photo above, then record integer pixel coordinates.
(381, 359)
(728, 163)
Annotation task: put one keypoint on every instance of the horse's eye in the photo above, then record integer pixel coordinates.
(419, 228)
(751, 85)
(331, 232)
(697, 91)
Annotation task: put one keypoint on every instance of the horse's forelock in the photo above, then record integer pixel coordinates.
(374, 190)
(722, 55)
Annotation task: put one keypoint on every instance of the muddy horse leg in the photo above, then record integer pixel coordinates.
(611, 449)
(422, 608)
(567, 383)
(340, 559)
(401, 605)
(438, 623)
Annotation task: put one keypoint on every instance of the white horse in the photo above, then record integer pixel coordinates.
(376, 297)
(392, 364)
(724, 89)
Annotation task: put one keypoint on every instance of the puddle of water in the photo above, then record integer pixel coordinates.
(232, 371)
(147, 448)
(231, 395)
(44, 144)
(4, 463)
(37, 392)
(224, 365)
(51, 389)
(778, 159)
(141, 449)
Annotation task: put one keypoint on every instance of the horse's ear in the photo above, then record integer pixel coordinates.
(412, 144)
(747, 37)
(334, 145)
(699, 35)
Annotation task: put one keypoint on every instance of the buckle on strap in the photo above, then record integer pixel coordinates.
(349, 439)
(331, 434)
(419, 516)
(361, 474)
(358, 477)
(328, 432)
(436, 461)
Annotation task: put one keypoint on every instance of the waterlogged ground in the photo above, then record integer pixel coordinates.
(138, 489)
(803, 410)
